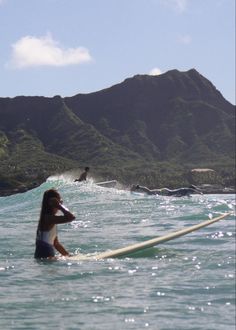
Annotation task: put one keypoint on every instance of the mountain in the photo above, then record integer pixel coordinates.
(148, 129)
(168, 114)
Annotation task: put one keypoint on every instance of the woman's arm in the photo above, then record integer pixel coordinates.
(66, 217)
(60, 248)
(67, 214)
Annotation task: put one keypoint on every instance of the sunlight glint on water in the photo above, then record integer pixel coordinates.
(187, 283)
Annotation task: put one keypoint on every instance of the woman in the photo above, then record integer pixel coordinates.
(46, 238)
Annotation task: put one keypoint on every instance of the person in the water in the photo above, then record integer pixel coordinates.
(83, 176)
(167, 192)
(46, 238)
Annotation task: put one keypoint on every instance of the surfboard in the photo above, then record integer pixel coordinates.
(107, 184)
(128, 250)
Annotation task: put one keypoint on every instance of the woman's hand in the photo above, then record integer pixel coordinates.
(57, 204)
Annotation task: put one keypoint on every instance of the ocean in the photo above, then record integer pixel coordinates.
(186, 283)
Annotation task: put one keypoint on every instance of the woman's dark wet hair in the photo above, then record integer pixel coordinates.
(46, 207)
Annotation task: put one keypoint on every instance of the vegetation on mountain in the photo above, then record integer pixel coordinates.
(150, 130)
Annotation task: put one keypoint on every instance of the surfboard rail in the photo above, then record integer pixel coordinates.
(149, 243)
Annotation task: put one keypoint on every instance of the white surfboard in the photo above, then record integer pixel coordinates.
(107, 184)
(128, 250)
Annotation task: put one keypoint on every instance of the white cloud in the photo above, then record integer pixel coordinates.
(184, 39)
(31, 51)
(178, 5)
(155, 72)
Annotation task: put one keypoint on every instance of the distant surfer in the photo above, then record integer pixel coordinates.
(83, 176)
(46, 237)
(166, 191)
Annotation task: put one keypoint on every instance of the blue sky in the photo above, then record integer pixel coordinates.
(66, 47)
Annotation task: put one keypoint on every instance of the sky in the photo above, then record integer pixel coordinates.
(67, 47)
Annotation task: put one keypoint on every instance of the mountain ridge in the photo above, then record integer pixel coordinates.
(125, 112)
(135, 130)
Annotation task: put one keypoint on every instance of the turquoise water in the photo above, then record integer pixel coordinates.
(187, 283)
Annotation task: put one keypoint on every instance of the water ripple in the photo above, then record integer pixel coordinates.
(185, 282)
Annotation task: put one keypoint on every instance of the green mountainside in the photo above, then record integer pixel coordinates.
(148, 129)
